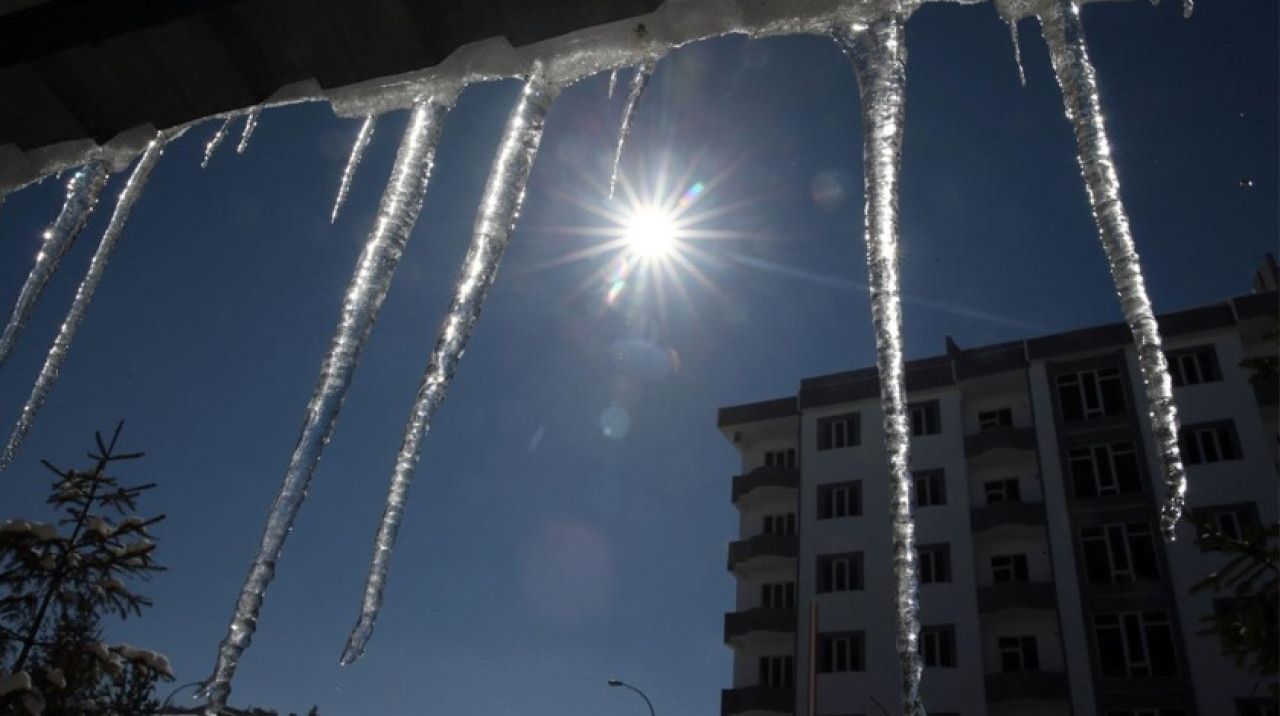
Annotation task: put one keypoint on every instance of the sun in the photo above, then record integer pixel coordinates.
(650, 233)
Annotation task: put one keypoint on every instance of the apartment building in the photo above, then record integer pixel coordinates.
(1045, 585)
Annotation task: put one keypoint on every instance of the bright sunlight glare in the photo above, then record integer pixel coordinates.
(650, 233)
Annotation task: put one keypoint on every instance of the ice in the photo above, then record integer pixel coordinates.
(879, 54)
(83, 190)
(1017, 51)
(613, 82)
(84, 295)
(1064, 34)
(363, 138)
(640, 80)
(215, 141)
(397, 213)
(250, 124)
(495, 221)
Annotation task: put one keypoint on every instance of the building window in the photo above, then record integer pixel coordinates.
(840, 431)
(935, 563)
(1192, 366)
(1134, 644)
(777, 671)
(1229, 521)
(938, 645)
(1119, 553)
(1009, 568)
(930, 487)
(778, 595)
(1257, 707)
(780, 458)
(1018, 653)
(1000, 418)
(1008, 490)
(783, 524)
(841, 499)
(841, 652)
(1090, 394)
(1209, 442)
(1103, 470)
(926, 418)
(840, 572)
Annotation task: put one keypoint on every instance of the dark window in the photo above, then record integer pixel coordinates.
(841, 499)
(938, 645)
(780, 458)
(778, 595)
(1003, 490)
(840, 572)
(1090, 394)
(1119, 553)
(1134, 644)
(777, 671)
(1212, 442)
(1018, 653)
(784, 524)
(935, 562)
(1009, 568)
(1000, 418)
(930, 487)
(1192, 366)
(840, 431)
(1102, 470)
(926, 418)
(1229, 521)
(841, 652)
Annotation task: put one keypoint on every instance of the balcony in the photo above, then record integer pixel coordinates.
(1004, 437)
(762, 551)
(764, 620)
(1001, 514)
(768, 480)
(1016, 595)
(772, 699)
(1026, 686)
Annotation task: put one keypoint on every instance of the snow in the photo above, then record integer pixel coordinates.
(40, 530)
(100, 527)
(55, 677)
(21, 681)
(152, 660)
(33, 702)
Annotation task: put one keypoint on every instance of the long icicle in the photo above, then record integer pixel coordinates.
(215, 141)
(879, 55)
(401, 203)
(83, 191)
(640, 80)
(1017, 51)
(84, 294)
(495, 222)
(250, 124)
(353, 162)
(1064, 34)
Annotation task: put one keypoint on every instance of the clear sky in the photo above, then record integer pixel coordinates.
(540, 555)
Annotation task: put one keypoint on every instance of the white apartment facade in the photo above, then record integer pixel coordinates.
(1046, 588)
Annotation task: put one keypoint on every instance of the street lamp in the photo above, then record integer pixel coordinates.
(620, 682)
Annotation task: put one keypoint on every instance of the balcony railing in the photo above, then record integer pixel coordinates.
(1004, 437)
(1016, 595)
(999, 514)
(760, 547)
(782, 478)
(757, 698)
(1026, 686)
(754, 621)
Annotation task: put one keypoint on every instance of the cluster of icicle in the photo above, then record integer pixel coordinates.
(877, 50)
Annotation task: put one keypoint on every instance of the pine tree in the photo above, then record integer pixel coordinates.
(58, 583)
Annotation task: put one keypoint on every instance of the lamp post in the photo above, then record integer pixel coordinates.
(620, 682)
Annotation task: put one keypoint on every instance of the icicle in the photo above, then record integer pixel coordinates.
(250, 124)
(1188, 7)
(214, 141)
(613, 82)
(84, 294)
(353, 161)
(639, 81)
(495, 222)
(879, 55)
(397, 213)
(1017, 51)
(1063, 33)
(83, 190)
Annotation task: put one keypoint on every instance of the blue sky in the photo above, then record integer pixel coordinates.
(539, 555)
